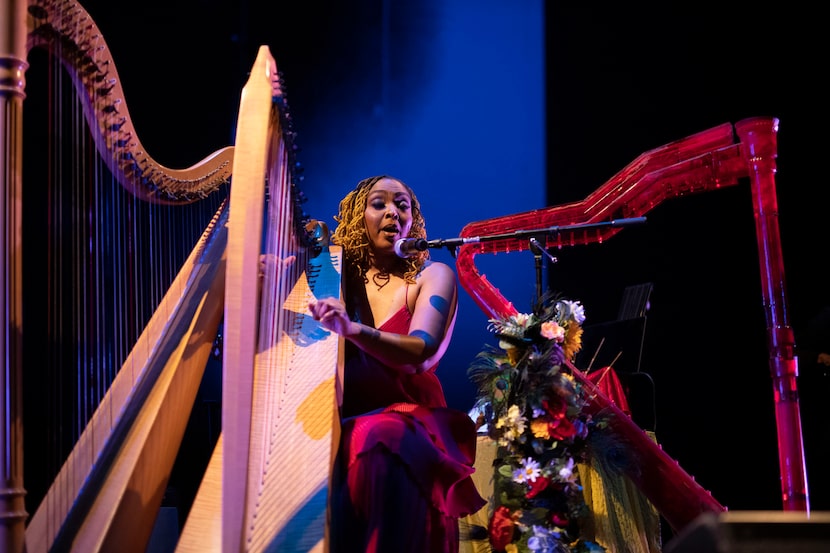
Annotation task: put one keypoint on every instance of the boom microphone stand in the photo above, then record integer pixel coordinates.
(534, 237)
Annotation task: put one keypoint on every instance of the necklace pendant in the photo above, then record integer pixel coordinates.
(381, 279)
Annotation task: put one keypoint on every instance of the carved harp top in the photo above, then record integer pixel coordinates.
(65, 28)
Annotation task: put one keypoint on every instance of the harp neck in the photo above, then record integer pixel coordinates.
(66, 30)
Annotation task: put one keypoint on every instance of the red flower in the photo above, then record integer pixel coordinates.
(559, 520)
(561, 429)
(501, 528)
(537, 486)
(555, 406)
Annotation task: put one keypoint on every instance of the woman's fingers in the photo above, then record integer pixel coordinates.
(324, 308)
(267, 260)
(330, 313)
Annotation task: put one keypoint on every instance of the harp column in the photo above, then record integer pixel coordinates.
(760, 148)
(13, 67)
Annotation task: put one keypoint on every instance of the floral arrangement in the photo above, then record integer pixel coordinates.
(532, 407)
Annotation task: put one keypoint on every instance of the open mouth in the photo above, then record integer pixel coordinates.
(391, 230)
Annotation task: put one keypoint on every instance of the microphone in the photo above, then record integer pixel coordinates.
(407, 247)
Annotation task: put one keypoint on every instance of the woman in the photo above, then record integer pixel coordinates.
(402, 479)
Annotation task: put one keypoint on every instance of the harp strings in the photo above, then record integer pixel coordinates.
(282, 244)
(99, 261)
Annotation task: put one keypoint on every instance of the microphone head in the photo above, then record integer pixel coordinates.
(407, 247)
(400, 247)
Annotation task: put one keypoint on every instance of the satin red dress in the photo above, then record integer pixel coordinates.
(402, 479)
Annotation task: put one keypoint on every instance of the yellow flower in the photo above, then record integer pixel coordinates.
(539, 428)
(572, 342)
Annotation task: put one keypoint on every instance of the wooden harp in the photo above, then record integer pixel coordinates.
(108, 491)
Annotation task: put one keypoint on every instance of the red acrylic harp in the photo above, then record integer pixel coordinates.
(719, 157)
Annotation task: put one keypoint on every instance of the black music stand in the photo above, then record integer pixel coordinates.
(619, 344)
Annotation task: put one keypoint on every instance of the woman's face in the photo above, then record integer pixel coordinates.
(388, 214)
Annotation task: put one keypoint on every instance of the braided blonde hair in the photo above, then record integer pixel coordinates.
(352, 236)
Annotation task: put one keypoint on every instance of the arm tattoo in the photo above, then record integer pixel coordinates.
(429, 341)
(372, 333)
(440, 304)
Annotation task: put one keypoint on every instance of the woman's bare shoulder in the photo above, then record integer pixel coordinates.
(432, 265)
(437, 269)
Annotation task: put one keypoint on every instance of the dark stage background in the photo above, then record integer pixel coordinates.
(565, 97)
(631, 77)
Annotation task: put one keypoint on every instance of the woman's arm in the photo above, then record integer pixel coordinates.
(429, 333)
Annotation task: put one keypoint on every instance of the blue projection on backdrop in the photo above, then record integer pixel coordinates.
(470, 140)
(448, 95)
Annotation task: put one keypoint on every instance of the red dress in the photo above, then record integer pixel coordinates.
(402, 478)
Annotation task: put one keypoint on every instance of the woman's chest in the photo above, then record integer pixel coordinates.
(386, 302)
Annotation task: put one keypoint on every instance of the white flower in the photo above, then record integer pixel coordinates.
(515, 418)
(515, 325)
(513, 425)
(567, 309)
(521, 320)
(509, 435)
(543, 540)
(566, 472)
(528, 472)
